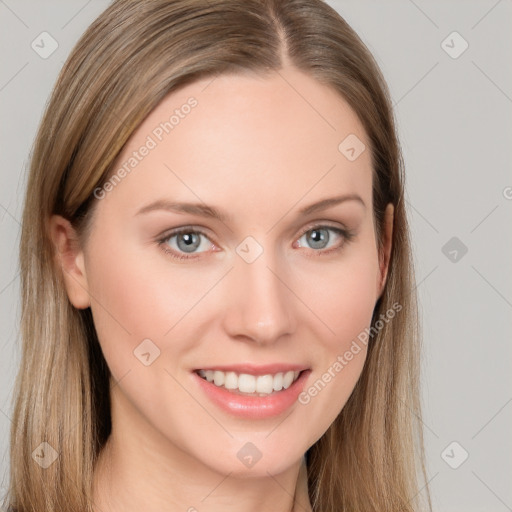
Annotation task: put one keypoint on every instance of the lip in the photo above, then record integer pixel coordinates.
(253, 407)
(256, 370)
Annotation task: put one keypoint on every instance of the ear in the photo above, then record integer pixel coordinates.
(385, 252)
(69, 257)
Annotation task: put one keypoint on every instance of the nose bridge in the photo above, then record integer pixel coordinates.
(259, 304)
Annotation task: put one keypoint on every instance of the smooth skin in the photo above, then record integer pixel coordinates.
(259, 149)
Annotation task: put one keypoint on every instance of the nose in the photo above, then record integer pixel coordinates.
(259, 304)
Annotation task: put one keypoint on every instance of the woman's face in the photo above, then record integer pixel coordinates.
(269, 286)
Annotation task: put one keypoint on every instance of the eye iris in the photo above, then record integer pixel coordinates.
(318, 237)
(189, 241)
(192, 241)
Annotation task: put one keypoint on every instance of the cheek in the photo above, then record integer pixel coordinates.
(133, 300)
(345, 304)
(139, 297)
(343, 296)
(355, 300)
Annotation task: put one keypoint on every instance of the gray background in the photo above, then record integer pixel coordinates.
(455, 124)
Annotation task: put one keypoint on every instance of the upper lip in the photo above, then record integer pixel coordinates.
(253, 369)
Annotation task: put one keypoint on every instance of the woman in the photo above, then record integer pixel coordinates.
(217, 290)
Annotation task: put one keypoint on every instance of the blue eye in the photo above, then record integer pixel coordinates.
(187, 240)
(182, 244)
(319, 237)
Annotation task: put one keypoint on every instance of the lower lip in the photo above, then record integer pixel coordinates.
(254, 407)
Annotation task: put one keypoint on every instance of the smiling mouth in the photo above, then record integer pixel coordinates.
(250, 385)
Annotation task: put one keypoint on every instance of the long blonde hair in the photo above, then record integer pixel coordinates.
(135, 53)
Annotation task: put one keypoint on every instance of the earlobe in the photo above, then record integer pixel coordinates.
(69, 257)
(385, 253)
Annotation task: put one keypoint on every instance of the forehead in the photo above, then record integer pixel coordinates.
(247, 140)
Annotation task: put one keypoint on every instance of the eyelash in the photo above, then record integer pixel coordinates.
(346, 234)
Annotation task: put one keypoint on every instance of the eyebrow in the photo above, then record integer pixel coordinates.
(204, 210)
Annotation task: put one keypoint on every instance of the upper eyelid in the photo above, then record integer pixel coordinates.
(316, 225)
(199, 229)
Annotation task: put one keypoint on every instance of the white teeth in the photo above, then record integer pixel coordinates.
(288, 379)
(231, 380)
(245, 383)
(218, 378)
(278, 382)
(264, 384)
